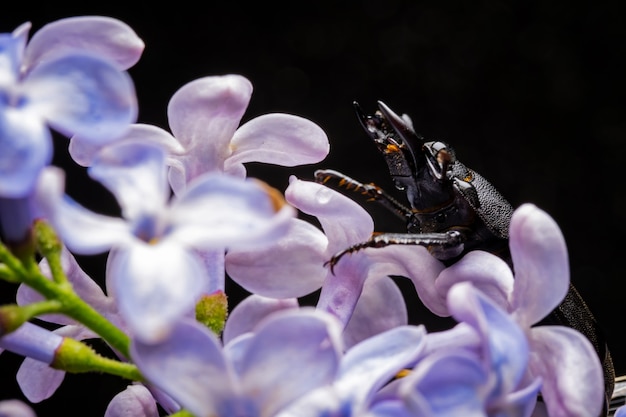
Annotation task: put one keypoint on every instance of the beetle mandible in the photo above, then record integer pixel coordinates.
(452, 210)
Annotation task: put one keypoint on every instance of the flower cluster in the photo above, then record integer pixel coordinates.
(190, 217)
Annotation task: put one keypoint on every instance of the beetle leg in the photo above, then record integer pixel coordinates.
(371, 191)
(443, 245)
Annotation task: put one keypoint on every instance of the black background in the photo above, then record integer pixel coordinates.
(531, 95)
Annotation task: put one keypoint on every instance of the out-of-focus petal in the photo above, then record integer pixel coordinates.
(190, 367)
(84, 151)
(250, 311)
(26, 146)
(280, 139)
(293, 266)
(380, 307)
(219, 211)
(81, 230)
(15, 408)
(343, 220)
(68, 93)
(367, 366)
(30, 340)
(300, 346)
(488, 273)
(203, 115)
(135, 174)
(105, 37)
(541, 264)
(148, 297)
(573, 382)
(134, 401)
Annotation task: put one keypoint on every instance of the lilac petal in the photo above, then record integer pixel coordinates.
(249, 312)
(522, 402)
(344, 221)
(293, 266)
(213, 262)
(32, 341)
(621, 412)
(488, 273)
(573, 382)
(280, 139)
(84, 151)
(203, 115)
(68, 92)
(26, 146)
(447, 382)
(190, 367)
(38, 380)
(300, 346)
(541, 264)
(81, 230)
(105, 37)
(367, 366)
(148, 298)
(243, 213)
(134, 401)
(505, 344)
(135, 174)
(15, 408)
(380, 307)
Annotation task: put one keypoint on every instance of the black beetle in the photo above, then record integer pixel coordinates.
(452, 210)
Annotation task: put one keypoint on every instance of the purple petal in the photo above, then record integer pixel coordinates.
(541, 264)
(190, 367)
(134, 401)
(573, 382)
(380, 307)
(293, 266)
(38, 380)
(15, 408)
(280, 139)
(344, 221)
(105, 37)
(300, 346)
(203, 115)
(249, 312)
(488, 273)
(32, 341)
(148, 298)
(135, 174)
(26, 146)
(81, 230)
(68, 92)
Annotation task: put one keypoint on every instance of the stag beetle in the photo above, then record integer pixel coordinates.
(452, 210)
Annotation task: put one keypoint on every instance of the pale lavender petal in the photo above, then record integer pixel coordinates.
(148, 298)
(280, 139)
(344, 221)
(213, 261)
(103, 36)
(203, 115)
(32, 341)
(26, 146)
(367, 366)
(621, 412)
(541, 264)
(37, 380)
(134, 401)
(522, 402)
(83, 231)
(190, 367)
(84, 151)
(488, 273)
(68, 92)
(219, 211)
(15, 408)
(250, 311)
(300, 346)
(380, 307)
(135, 173)
(292, 266)
(573, 382)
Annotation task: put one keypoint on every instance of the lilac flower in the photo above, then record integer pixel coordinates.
(296, 262)
(74, 87)
(288, 355)
(559, 355)
(157, 240)
(134, 401)
(15, 408)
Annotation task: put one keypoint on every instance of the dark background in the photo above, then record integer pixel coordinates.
(531, 95)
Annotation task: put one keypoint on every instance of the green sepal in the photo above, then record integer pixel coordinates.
(212, 310)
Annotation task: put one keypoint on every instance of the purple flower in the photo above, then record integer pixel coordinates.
(134, 401)
(288, 355)
(559, 355)
(157, 239)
